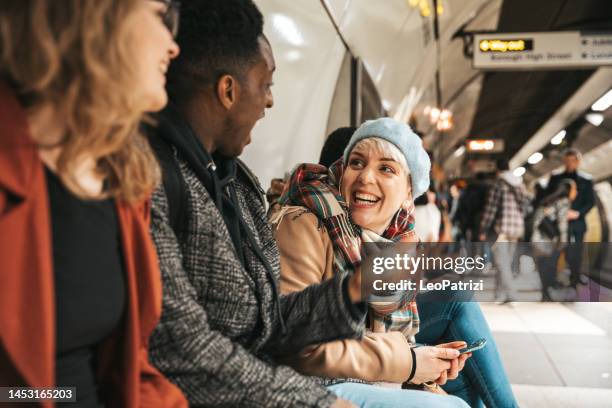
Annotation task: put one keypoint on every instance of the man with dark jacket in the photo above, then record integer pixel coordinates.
(585, 200)
(223, 320)
(471, 206)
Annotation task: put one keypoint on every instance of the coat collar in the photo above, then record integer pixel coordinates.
(18, 151)
(27, 308)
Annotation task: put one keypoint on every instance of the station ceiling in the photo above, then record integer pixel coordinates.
(514, 105)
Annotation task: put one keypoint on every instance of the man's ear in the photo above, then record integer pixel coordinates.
(227, 91)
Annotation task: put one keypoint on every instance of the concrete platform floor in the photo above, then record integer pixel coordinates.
(556, 355)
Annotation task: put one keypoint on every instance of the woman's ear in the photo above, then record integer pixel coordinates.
(227, 91)
(410, 198)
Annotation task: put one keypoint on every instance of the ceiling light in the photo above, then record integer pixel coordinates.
(434, 115)
(519, 171)
(558, 138)
(444, 124)
(594, 119)
(424, 7)
(459, 151)
(287, 29)
(485, 145)
(603, 103)
(293, 55)
(535, 158)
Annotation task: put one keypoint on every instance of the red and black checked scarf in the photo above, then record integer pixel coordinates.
(317, 188)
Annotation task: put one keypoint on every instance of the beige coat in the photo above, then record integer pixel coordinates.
(307, 258)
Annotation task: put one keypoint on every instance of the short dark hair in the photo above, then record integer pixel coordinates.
(502, 164)
(216, 37)
(334, 146)
(572, 151)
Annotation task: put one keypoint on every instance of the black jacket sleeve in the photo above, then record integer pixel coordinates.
(586, 197)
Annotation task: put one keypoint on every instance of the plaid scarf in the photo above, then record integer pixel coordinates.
(317, 188)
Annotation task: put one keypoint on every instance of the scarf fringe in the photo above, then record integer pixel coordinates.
(278, 216)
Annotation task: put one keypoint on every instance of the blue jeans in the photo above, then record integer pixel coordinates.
(372, 396)
(484, 377)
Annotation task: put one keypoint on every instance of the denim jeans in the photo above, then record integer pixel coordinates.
(372, 396)
(483, 377)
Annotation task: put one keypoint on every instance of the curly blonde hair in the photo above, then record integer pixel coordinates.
(76, 55)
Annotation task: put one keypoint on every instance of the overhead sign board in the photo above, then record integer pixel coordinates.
(483, 166)
(545, 50)
(485, 145)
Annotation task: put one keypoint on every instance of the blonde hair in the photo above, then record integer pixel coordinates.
(385, 148)
(77, 56)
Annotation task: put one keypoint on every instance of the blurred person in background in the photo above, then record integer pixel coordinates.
(427, 217)
(80, 289)
(504, 220)
(335, 144)
(550, 233)
(453, 197)
(454, 193)
(581, 205)
(471, 206)
(456, 237)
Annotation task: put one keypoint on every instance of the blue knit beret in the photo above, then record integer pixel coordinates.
(409, 144)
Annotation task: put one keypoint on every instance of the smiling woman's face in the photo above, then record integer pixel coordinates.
(155, 48)
(374, 186)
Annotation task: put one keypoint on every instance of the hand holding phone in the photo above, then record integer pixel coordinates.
(456, 363)
(477, 345)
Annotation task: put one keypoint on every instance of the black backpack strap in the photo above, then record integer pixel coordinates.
(174, 184)
(254, 181)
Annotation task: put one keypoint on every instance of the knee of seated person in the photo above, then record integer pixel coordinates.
(470, 305)
(463, 301)
(451, 401)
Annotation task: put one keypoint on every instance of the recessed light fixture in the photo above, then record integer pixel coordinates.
(558, 138)
(594, 118)
(535, 158)
(519, 171)
(603, 103)
(288, 29)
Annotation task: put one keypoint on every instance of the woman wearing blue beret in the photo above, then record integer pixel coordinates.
(326, 216)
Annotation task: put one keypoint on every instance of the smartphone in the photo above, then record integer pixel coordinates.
(477, 345)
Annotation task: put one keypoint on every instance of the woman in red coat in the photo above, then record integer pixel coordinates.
(80, 289)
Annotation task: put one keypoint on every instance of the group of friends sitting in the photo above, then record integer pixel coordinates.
(137, 260)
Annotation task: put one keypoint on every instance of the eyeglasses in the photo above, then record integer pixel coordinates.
(171, 16)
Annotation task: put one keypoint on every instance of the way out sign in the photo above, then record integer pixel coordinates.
(545, 50)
